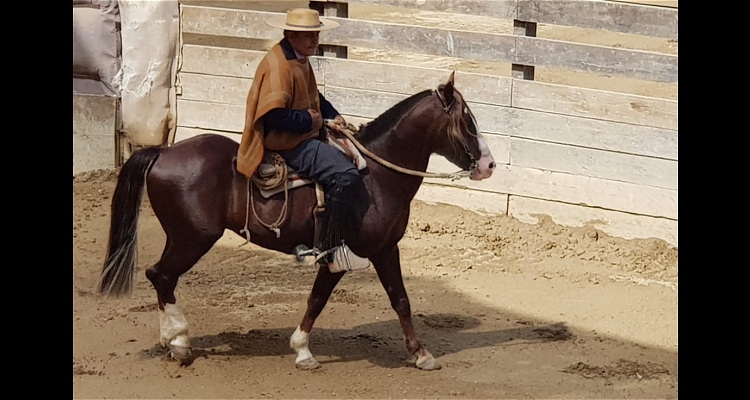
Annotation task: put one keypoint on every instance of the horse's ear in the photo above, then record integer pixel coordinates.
(448, 91)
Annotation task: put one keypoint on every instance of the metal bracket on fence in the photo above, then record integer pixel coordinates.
(331, 9)
(523, 28)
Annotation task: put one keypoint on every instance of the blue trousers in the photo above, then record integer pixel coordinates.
(322, 162)
(346, 196)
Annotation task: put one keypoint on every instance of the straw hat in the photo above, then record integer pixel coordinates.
(302, 19)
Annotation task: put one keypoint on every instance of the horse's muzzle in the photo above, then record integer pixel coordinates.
(486, 164)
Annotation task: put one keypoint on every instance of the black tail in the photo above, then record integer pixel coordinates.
(117, 273)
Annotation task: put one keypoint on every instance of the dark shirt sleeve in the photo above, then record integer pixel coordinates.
(297, 121)
(284, 119)
(326, 108)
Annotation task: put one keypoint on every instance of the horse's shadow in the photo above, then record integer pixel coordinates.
(379, 343)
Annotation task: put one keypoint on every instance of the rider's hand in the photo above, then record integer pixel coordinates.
(339, 120)
(317, 120)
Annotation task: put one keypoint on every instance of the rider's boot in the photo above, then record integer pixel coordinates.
(346, 204)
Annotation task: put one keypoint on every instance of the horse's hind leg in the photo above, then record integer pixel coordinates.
(178, 257)
(321, 291)
(388, 266)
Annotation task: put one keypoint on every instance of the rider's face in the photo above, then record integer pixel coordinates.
(305, 43)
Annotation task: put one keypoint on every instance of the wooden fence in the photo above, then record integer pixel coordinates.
(580, 155)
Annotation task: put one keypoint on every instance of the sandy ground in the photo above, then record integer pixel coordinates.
(511, 310)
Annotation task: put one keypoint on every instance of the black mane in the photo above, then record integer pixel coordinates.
(386, 120)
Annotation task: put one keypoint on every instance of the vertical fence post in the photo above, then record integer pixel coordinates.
(331, 9)
(523, 28)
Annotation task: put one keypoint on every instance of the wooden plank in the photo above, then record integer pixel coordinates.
(656, 3)
(204, 121)
(505, 9)
(351, 32)
(614, 223)
(204, 115)
(382, 77)
(220, 61)
(183, 132)
(445, 42)
(582, 190)
(402, 79)
(474, 200)
(349, 73)
(215, 89)
(422, 40)
(228, 22)
(573, 189)
(224, 118)
(601, 60)
(371, 104)
(231, 62)
(617, 17)
(523, 123)
(499, 146)
(94, 132)
(598, 104)
(475, 87)
(586, 132)
(493, 119)
(487, 89)
(594, 163)
(264, 5)
(361, 103)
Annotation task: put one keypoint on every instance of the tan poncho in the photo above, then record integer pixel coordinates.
(278, 83)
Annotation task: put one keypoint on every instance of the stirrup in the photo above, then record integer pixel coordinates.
(344, 259)
(301, 251)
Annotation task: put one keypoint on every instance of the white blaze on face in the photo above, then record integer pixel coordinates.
(173, 327)
(485, 164)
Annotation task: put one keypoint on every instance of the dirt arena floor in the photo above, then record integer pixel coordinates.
(510, 310)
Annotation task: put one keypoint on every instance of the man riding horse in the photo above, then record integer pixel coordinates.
(285, 113)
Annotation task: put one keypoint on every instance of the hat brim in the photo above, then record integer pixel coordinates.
(280, 22)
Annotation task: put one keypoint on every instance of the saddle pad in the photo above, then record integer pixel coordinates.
(295, 180)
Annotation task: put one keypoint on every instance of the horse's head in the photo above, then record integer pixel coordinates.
(465, 148)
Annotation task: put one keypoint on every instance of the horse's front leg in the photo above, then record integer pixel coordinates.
(324, 284)
(388, 266)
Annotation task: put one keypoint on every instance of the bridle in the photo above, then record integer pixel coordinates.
(447, 108)
(451, 126)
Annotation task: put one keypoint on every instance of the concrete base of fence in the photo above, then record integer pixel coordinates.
(94, 132)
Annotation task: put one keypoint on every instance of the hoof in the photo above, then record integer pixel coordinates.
(179, 353)
(428, 363)
(307, 364)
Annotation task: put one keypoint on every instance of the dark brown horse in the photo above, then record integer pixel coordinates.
(197, 193)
